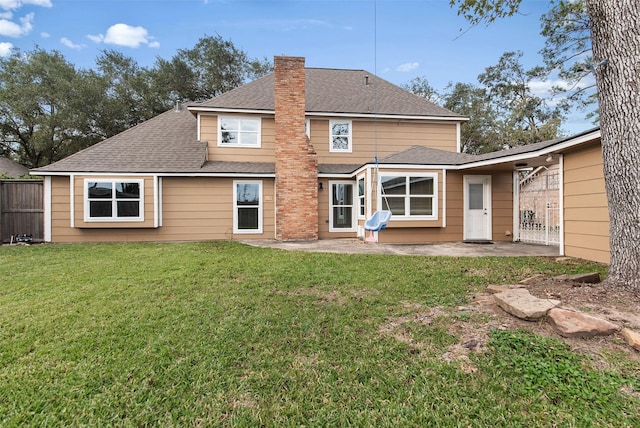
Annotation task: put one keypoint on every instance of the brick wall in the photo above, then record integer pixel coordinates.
(296, 159)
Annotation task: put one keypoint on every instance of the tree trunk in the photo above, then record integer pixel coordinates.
(615, 33)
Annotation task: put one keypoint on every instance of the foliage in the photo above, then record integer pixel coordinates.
(526, 117)
(213, 66)
(223, 334)
(41, 106)
(503, 111)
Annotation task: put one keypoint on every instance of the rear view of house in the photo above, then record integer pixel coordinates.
(299, 154)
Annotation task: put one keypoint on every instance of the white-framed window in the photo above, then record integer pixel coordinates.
(412, 196)
(362, 191)
(340, 139)
(342, 208)
(247, 206)
(239, 131)
(116, 200)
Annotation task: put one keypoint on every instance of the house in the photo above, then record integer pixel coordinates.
(300, 154)
(11, 169)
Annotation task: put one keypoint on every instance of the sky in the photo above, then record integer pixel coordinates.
(397, 40)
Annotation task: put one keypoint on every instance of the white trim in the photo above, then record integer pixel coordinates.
(444, 198)
(349, 136)
(458, 143)
(362, 177)
(239, 131)
(235, 207)
(353, 205)
(217, 110)
(561, 198)
(198, 132)
(516, 206)
(156, 197)
(47, 209)
(72, 198)
(407, 217)
(307, 127)
(160, 197)
(113, 218)
(487, 199)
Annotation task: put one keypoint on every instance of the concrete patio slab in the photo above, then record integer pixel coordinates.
(455, 249)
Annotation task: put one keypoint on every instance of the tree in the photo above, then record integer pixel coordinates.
(526, 117)
(39, 107)
(615, 38)
(212, 67)
(481, 133)
(420, 86)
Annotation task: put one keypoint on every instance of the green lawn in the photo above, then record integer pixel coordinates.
(222, 334)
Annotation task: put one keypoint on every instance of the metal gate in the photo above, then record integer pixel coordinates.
(539, 202)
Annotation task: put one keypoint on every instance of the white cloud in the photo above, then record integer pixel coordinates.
(16, 4)
(68, 43)
(11, 29)
(45, 35)
(408, 66)
(6, 15)
(125, 35)
(5, 49)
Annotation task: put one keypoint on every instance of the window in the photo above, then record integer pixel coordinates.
(362, 209)
(341, 211)
(238, 131)
(247, 207)
(410, 196)
(113, 200)
(340, 136)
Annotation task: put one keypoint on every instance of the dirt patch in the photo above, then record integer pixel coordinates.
(471, 324)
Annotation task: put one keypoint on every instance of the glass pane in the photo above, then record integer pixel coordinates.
(342, 194)
(99, 190)
(361, 187)
(394, 185)
(421, 206)
(338, 128)
(249, 138)
(229, 124)
(128, 209)
(341, 143)
(248, 194)
(229, 137)
(127, 190)
(476, 196)
(421, 185)
(248, 218)
(249, 125)
(395, 205)
(100, 209)
(342, 217)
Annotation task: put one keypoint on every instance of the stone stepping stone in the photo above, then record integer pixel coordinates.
(632, 338)
(582, 278)
(522, 304)
(577, 324)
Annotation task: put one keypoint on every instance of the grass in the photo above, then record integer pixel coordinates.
(222, 334)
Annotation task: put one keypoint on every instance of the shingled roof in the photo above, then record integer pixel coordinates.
(328, 91)
(12, 169)
(165, 143)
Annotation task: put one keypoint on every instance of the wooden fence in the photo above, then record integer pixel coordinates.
(21, 210)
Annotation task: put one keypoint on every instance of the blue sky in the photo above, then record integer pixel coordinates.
(396, 39)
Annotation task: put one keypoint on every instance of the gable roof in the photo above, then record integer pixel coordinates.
(331, 91)
(12, 169)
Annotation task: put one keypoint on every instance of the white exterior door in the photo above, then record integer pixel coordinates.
(477, 207)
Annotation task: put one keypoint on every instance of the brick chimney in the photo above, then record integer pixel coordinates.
(296, 159)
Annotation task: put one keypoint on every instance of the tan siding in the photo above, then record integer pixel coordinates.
(502, 205)
(391, 137)
(386, 137)
(193, 209)
(265, 153)
(586, 215)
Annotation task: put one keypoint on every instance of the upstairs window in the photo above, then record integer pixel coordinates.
(412, 197)
(235, 131)
(340, 136)
(113, 200)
